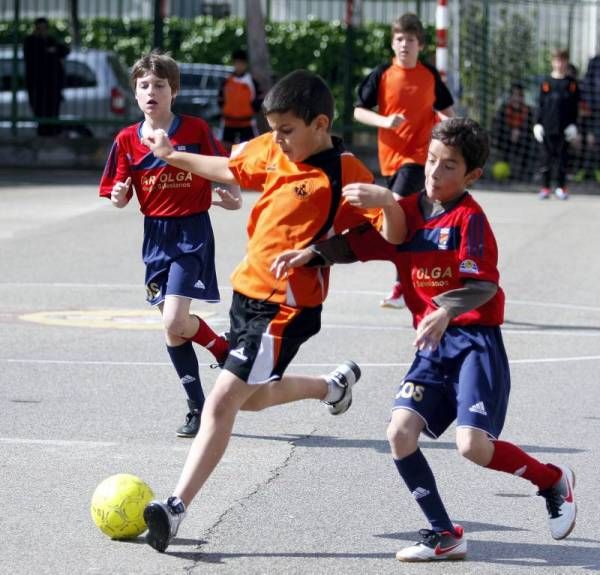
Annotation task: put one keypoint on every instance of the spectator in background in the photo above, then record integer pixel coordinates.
(239, 100)
(512, 132)
(44, 75)
(556, 123)
(590, 119)
(404, 99)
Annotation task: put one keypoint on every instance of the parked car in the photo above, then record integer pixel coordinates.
(199, 90)
(97, 99)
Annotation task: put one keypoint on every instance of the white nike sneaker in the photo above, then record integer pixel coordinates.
(436, 546)
(560, 503)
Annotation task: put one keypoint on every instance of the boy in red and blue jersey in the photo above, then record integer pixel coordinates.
(444, 248)
(178, 247)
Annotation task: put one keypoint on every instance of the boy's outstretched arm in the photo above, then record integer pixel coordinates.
(372, 196)
(371, 118)
(213, 168)
(333, 250)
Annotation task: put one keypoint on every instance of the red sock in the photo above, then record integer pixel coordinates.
(512, 459)
(208, 339)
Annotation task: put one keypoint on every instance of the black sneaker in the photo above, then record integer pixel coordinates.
(192, 421)
(163, 520)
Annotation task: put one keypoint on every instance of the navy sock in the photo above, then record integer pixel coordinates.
(417, 475)
(185, 362)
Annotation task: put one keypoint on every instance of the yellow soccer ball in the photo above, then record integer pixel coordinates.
(501, 171)
(118, 506)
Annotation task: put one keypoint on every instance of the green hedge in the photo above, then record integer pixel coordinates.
(316, 45)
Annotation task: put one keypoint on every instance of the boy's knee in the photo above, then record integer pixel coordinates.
(175, 324)
(402, 438)
(218, 408)
(474, 445)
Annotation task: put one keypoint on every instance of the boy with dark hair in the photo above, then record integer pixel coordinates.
(556, 123)
(178, 248)
(410, 97)
(300, 169)
(447, 256)
(239, 99)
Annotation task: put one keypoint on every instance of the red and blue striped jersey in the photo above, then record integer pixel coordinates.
(442, 251)
(162, 190)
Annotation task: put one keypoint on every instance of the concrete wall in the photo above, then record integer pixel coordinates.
(41, 153)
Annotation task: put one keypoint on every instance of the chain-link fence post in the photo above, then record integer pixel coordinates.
(352, 14)
(14, 86)
(483, 68)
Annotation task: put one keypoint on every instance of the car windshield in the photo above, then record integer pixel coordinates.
(79, 75)
(191, 81)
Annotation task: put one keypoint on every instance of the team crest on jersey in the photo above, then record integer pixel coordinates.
(302, 190)
(468, 267)
(443, 238)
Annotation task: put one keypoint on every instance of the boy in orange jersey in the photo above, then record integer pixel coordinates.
(239, 100)
(410, 98)
(300, 169)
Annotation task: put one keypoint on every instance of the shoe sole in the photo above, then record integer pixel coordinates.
(186, 435)
(357, 375)
(392, 305)
(158, 527)
(457, 557)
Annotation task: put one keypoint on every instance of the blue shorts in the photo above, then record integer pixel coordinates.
(179, 254)
(466, 378)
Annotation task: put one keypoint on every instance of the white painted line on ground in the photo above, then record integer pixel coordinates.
(57, 442)
(294, 365)
(84, 362)
(75, 285)
(550, 304)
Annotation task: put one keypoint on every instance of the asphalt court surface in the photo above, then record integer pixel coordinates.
(86, 390)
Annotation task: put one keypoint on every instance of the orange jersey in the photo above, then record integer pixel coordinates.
(238, 99)
(416, 93)
(299, 204)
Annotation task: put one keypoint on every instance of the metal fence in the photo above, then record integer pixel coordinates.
(492, 44)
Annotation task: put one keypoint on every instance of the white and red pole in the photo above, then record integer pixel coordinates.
(442, 20)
